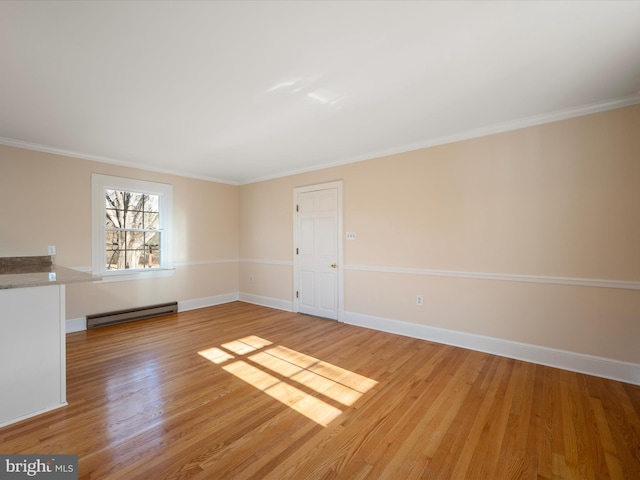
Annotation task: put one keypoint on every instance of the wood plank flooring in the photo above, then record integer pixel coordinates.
(240, 391)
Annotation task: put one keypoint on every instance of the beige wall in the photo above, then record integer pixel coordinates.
(558, 200)
(46, 200)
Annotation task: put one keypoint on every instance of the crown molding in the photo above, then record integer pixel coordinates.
(9, 142)
(516, 124)
(511, 125)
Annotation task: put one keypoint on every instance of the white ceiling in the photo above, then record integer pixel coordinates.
(243, 91)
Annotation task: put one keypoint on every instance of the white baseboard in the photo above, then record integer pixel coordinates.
(33, 414)
(79, 324)
(76, 324)
(575, 362)
(185, 305)
(276, 303)
(566, 360)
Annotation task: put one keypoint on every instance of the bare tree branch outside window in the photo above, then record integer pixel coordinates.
(133, 236)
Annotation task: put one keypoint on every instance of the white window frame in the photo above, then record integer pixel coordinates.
(99, 185)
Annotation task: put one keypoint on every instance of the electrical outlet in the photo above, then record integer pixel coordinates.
(51, 250)
(420, 300)
(351, 235)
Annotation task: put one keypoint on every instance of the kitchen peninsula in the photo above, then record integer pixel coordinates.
(32, 342)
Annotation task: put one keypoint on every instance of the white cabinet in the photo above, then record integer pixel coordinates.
(32, 351)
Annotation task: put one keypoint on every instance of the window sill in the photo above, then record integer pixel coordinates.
(129, 275)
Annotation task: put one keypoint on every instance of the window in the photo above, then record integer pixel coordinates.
(131, 227)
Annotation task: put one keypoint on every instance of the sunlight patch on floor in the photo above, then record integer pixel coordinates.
(302, 402)
(215, 355)
(345, 377)
(291, 377)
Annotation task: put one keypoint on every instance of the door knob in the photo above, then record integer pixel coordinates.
(333, 265)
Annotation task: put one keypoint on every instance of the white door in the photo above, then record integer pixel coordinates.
(317, 252)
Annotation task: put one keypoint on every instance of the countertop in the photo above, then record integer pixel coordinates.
(21, 272)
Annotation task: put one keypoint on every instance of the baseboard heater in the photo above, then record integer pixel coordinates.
(120, 316)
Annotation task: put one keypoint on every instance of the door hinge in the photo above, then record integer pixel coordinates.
(297, 294)
(297, 208)
(297, 252)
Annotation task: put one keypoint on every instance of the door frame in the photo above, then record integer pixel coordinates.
(337, 184)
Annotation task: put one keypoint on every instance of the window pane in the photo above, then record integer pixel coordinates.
(152, 258)
(134, 201)
(151, 220)
(115, 240)
(131, 209)
(135, 258)
(152, 243)
(114, 218)
(132, 250)
(115, 208)
(151, 203)
(115, 243)
(133, 219)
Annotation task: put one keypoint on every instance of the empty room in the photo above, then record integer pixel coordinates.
(312, 240)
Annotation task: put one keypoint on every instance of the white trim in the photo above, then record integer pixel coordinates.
(506, 277)
(582, 282)
(62, 325)
(75, 325)
(531, 121)
(338, 185)
(516, 124)
(276, 303)
(287, 263)
(32, 414)
(127, 276)
(196, 303)
(566, 360)
(80, 324)
(205, 262)
(10, 142)
(191, 263)
(188, 263)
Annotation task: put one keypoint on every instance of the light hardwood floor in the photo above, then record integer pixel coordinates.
(240, 391)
